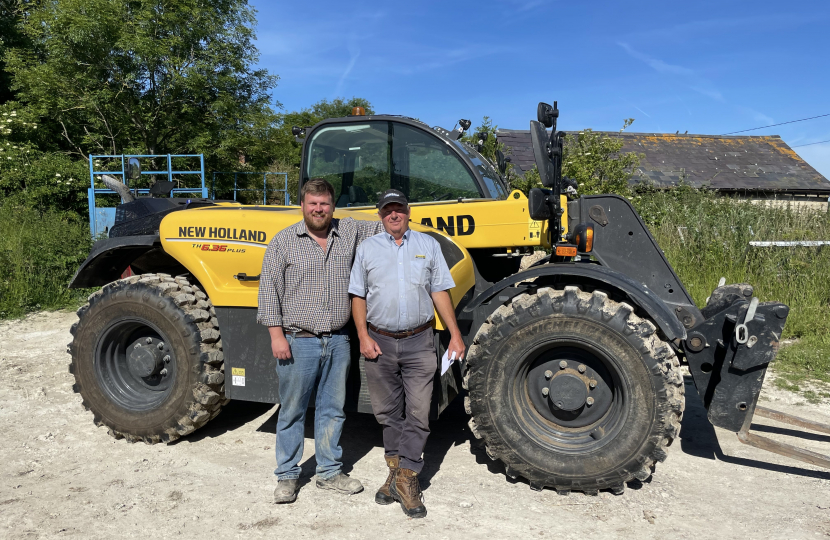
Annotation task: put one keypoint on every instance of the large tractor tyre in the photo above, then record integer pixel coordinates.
(573, 391)
(147, 358)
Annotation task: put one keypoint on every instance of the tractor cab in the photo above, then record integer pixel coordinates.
(362, 156)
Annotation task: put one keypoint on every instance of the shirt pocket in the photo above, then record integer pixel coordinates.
(419, 272)
(340, 264)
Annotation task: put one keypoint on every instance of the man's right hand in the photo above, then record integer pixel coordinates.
(369, 348)
(280, 348)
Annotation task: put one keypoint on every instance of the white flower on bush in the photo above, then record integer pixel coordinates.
(58, 175)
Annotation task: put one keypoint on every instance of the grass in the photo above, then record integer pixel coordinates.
(39, 254)
(706, 237)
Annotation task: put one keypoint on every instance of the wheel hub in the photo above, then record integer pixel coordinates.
(567, 392)
(145, 360)
(570, 387)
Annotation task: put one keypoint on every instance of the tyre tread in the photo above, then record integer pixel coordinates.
(199, 316)
(639, 331)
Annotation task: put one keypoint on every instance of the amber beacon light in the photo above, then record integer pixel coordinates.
(583, 237)
(358, 111)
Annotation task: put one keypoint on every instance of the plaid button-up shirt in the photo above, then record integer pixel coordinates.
(304, 288)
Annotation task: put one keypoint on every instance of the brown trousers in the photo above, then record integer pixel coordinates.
(400, 386)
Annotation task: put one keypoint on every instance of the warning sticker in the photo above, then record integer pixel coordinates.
(238, 376)
(535, 228)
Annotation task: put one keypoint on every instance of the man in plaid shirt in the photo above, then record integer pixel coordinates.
(304, 302)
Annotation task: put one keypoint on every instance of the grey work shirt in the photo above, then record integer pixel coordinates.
(303, 287)
(397, 281)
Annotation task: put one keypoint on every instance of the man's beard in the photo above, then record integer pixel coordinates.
(317, 227)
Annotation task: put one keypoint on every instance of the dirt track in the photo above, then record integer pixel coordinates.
(62, 476)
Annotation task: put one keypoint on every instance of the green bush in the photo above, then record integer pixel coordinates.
(706, 236)
(39, 254)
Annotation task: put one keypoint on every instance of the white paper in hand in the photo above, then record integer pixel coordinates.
(446, 361)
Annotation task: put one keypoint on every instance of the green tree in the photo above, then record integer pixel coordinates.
(491, 144)
(595, 161)
(147, 77)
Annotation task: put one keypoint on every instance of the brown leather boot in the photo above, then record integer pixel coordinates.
(383, 496)
(406, 489)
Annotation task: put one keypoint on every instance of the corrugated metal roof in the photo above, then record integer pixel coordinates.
(736, 163)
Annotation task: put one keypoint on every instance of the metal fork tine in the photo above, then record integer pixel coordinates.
(792, 420)
(784, 449)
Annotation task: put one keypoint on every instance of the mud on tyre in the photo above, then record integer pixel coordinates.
(147, 358)
(571, 390)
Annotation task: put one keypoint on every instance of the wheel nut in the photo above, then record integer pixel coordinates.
(545, 391)
(589, 401)
(161, 345)
(563, 364)
(166, 359)
(581, 368)
(592, 384)
(137, 345)
(148, 340)
(164, 372)
(548, 374)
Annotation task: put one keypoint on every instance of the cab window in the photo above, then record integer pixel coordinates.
(363, 160)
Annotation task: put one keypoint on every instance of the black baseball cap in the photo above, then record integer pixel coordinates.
(392, 196)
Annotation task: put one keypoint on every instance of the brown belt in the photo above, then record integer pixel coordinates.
(402, 334)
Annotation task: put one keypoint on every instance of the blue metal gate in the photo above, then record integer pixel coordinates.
(101, 218)
(244, 177)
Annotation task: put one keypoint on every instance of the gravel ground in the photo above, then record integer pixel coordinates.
(62, 476)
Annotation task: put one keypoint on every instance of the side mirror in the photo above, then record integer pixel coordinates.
(544, 165)
(501, 161)
(538, 204)
(546, 114)
(133, 171)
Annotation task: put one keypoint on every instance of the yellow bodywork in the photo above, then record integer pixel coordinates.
(219, 242)
(485, 223)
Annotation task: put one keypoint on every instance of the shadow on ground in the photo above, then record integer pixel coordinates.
(698, 438)
(361, 433)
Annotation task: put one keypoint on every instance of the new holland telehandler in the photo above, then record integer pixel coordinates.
(573, 374)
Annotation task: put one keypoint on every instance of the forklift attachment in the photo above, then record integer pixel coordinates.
(784, 449)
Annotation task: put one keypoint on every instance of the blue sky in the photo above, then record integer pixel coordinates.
(708, 67)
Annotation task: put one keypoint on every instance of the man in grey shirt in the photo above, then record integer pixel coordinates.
(398, 280)
(303, 300)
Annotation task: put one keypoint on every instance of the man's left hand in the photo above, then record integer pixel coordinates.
(456, 346)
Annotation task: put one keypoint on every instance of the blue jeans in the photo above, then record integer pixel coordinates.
(315, 362)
